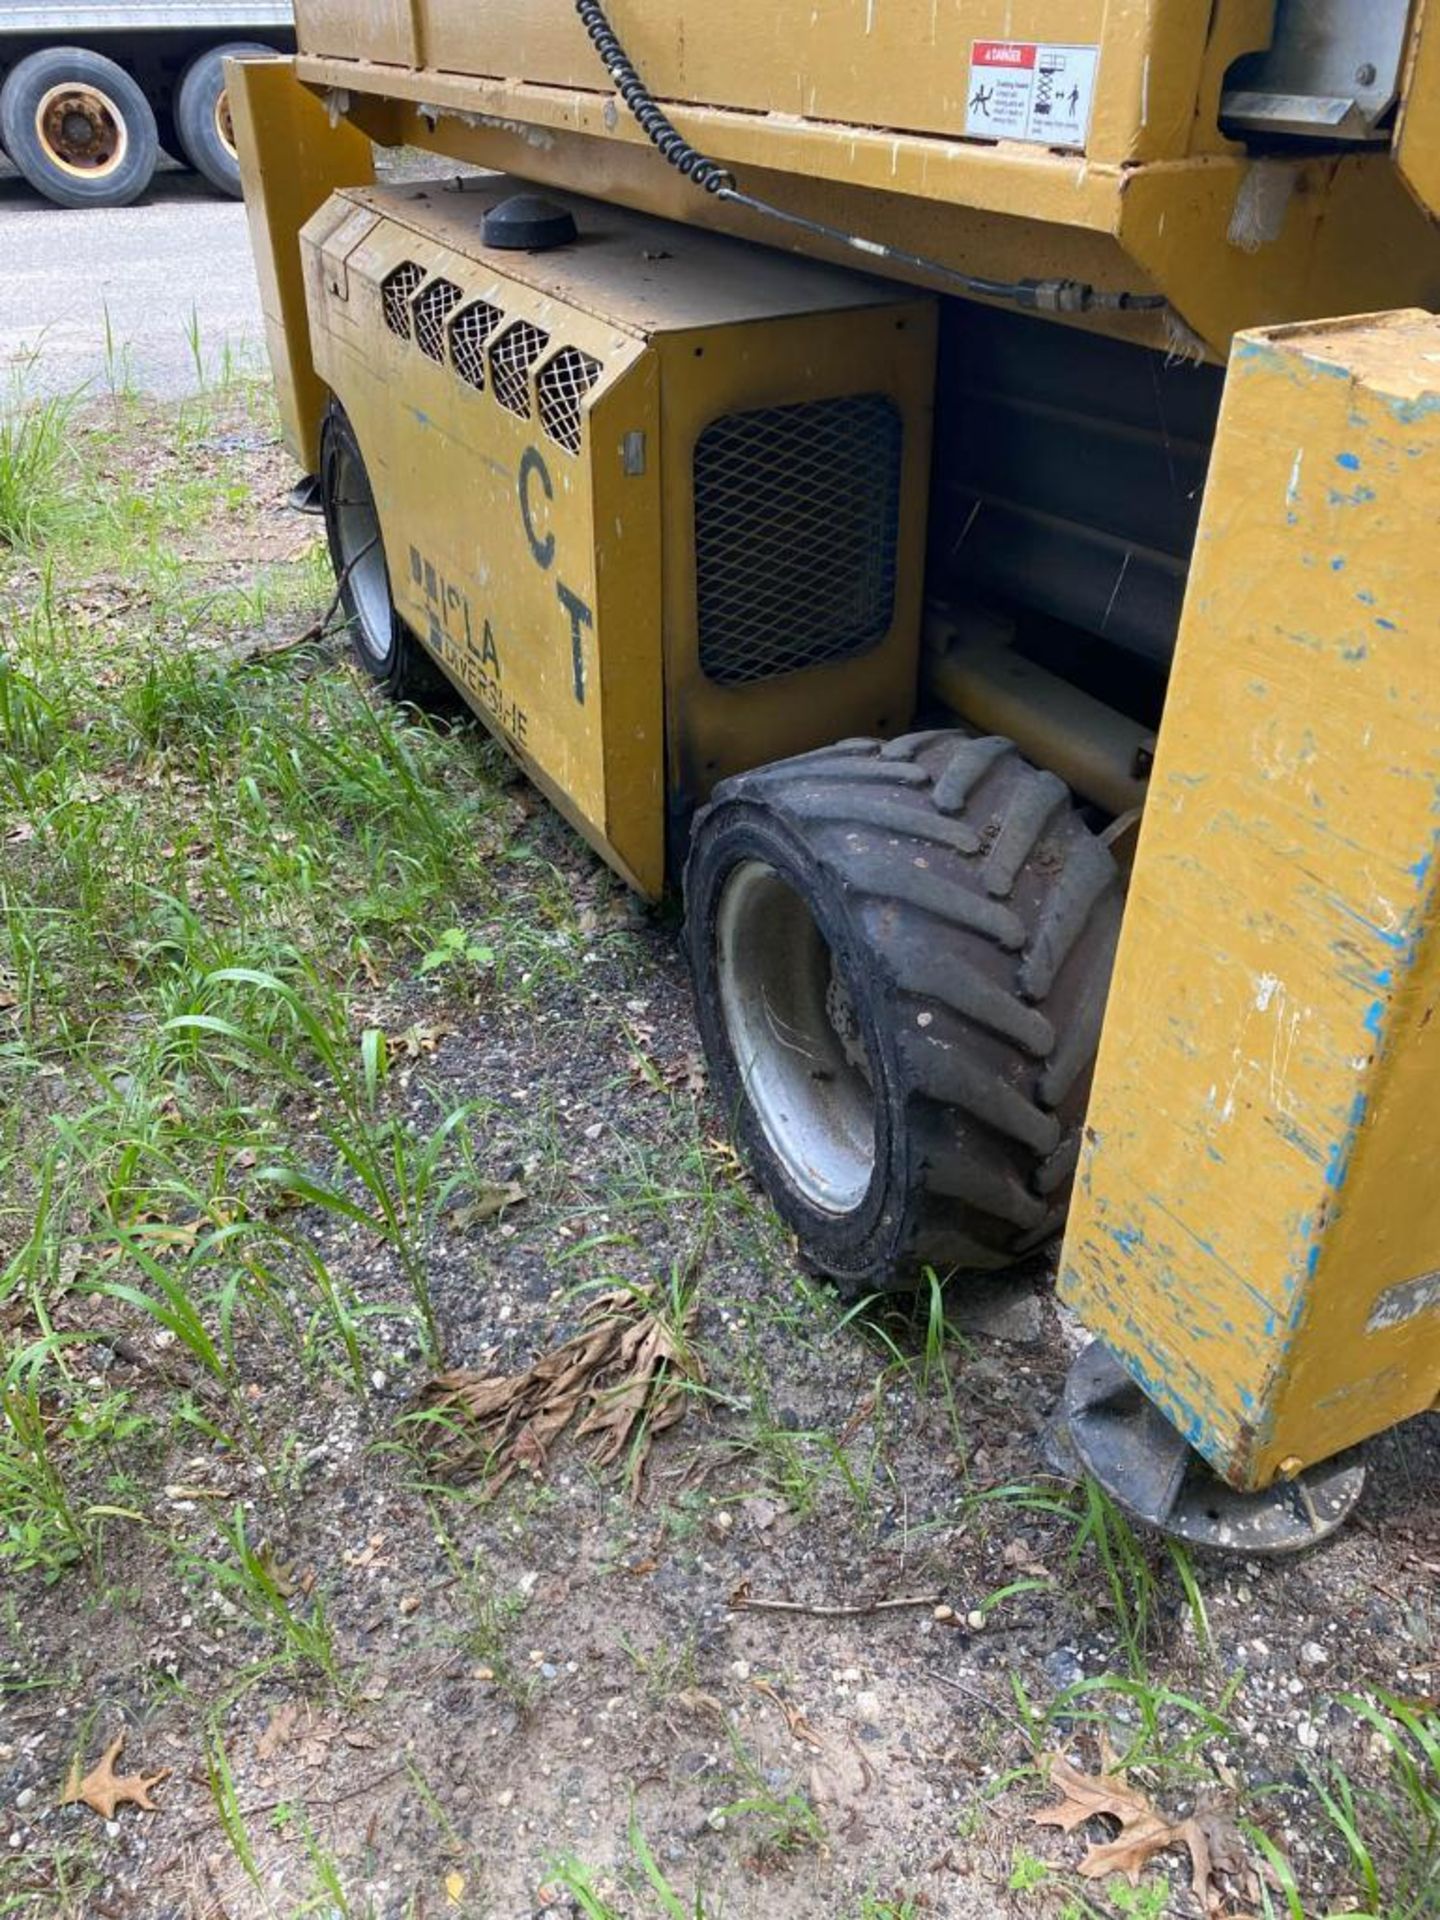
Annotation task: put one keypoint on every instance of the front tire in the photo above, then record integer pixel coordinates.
(202, 115)
(384, 646)
(78, 128)
(901, 954)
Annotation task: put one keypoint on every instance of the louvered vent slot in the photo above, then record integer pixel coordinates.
(469, 331)
(797, 516)
(431, 310)
(397, 290)
(561, 386)
(511, 358)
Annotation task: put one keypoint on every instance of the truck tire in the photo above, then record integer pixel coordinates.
(78, 128)
(384, 646)
(202, 116)
(901, 953)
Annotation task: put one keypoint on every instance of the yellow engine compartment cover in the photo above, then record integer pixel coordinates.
(530, 425)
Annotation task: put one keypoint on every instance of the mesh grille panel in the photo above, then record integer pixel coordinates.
(797, 513)
(511, 358)
(431, 310)
(469, 331)
(396, 291)
(562, 385)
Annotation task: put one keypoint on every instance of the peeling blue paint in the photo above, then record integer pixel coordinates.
(1411, 412)
(1327, 368)
(1161, 1389)
(1388, 625)
(1337, 1169)
(1246, 1286)
(1357, 497)
(1337, 565)
(1293, 1137)
(1401, 940)
(1350, 461)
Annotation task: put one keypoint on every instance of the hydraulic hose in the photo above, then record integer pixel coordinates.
(1044, 296)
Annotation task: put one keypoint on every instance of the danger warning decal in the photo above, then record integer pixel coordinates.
(1020, 90)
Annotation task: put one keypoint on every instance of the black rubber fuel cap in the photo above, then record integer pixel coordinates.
(528, 223)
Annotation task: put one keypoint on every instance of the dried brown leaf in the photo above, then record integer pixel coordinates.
(1150, 1834)
(800, 1727)
(1085, 1795)
(1213, 1841)
(277, 1731)
(103, 1789)
(422, 1038)
(625, 1377)
(486, 1200)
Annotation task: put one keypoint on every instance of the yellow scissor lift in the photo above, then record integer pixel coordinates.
(901, 468)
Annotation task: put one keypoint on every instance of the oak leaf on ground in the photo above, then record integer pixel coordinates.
(103, 1789)
(1144, 1830)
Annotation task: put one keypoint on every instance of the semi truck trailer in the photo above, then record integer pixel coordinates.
(91, 95)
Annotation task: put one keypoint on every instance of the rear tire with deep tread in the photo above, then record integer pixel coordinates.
(50, 74)
(200, 119)
(971, 919)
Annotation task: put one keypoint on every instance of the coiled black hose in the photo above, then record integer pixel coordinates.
(1044, 296)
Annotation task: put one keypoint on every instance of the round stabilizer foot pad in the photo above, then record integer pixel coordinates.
(1152, 1473)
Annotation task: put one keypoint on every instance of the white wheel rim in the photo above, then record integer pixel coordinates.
(808, 1080)
(81, 130)
(362, 554)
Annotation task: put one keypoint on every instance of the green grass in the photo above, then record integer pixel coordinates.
(203, 858)
(1390, 1831)
(647, 1891)
(36, 468)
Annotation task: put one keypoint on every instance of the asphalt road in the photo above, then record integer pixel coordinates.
(182, 252)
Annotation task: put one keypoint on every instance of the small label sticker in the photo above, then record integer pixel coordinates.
(1020, 90)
